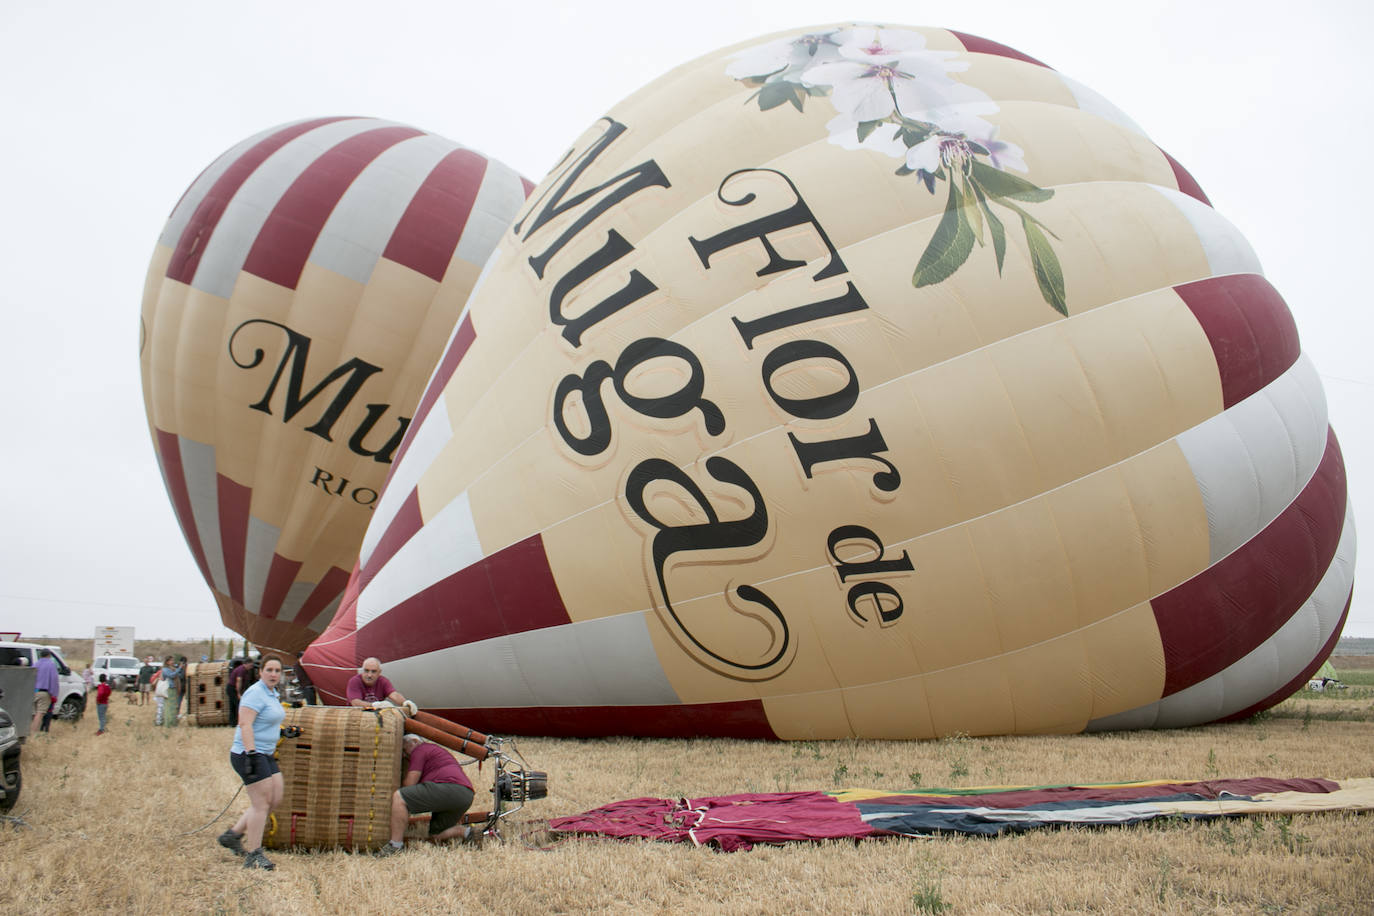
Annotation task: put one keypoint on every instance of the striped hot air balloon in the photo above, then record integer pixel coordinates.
(860, 381)
(298, 299)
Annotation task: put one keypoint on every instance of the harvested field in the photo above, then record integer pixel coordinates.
(110, 820)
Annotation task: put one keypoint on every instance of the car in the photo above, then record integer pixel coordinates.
(121, 671)
(11, 780)
(71, 699)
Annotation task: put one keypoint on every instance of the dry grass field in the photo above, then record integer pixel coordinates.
(109, 826)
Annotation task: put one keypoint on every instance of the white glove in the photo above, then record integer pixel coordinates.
(411, 708)
(382, 704)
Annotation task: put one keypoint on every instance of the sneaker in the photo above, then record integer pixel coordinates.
(256, 859)
(233, 842)
(388, 850)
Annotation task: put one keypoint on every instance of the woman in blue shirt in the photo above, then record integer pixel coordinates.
(255, 740)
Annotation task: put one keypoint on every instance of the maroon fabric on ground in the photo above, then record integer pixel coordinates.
(730, 821)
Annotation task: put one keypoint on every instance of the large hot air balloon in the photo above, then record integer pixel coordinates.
(860, 381)
(298, 299)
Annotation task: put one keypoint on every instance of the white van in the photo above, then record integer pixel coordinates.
(121, 671)
(71, 702)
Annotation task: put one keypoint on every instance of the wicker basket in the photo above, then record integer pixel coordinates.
(339, 777)
(206, 682)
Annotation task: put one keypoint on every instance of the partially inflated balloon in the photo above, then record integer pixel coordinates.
(860, 381)
(299, 298)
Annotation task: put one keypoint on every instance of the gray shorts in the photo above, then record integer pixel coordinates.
(448, 801)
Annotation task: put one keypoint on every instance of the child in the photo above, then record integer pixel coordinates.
(102, 703)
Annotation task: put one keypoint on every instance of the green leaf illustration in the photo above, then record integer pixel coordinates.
(975, 212)
(779, 93)
(997, 183)
(995, 227)
(866, 128)
(1048, 273)
(914, 134)
(949, 248)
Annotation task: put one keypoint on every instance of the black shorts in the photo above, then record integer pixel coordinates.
(266, 767)
(448, 801)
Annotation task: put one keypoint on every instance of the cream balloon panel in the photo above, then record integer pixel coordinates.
(501, 441)
(492, 429)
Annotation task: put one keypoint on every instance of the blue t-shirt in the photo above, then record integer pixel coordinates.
(267, 726)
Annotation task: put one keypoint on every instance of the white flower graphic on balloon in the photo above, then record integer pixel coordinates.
(895, 96)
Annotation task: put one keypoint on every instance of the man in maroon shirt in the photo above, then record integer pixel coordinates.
(434, 781)
(368, 688)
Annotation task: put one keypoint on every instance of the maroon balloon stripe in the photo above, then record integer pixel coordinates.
(1220, 615)
(186, 258)
(527, 185)
(1287, 690)
(287, 237)
(457, 349)
(1186, 182)
(428, 232)
(234, 502)
(1251, 331)
(403, 526)
(280, 574)
(336, 647)
(986, 46)
(511, 591)
(736, 719)
(330, 586)
(169, 455)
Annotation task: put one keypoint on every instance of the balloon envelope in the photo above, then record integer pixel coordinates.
(297, 301)
(860, 381)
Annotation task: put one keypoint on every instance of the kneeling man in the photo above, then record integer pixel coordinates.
(435, 782)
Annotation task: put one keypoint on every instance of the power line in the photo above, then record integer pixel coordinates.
(1341, 378)
(143, 607)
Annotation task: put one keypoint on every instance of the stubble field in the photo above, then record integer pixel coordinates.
(109, 825)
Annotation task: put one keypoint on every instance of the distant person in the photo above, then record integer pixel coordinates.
(159, 695)
(45, 689)
(184, 684)
(171, 674)
(368, 688)
(145, 680)
(88, 676)
(240, 679)
(255, 738)
(434, 781)
(102, 702)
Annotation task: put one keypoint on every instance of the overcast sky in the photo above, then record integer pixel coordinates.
(113, 108)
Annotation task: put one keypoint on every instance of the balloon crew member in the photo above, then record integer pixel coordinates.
(240, 679)
(434, 781)
(255, 739)
(368, 688)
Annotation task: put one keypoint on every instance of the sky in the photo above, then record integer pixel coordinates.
(113, 109)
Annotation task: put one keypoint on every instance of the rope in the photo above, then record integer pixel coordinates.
(215, 818)
(372, 791)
